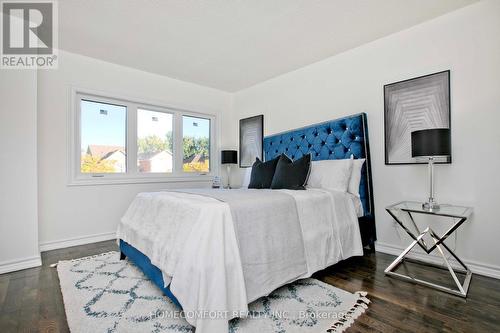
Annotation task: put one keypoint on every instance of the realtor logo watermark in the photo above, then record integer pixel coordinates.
(29, 34)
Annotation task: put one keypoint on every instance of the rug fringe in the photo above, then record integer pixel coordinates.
(357, 310)
(85, 258)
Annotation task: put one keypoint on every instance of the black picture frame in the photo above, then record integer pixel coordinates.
(251, 133)
(417, 83)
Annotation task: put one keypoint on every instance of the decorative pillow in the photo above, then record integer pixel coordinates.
(331, 174)
(262, 173)
(355, 176)
(246, 178)
(291, 175)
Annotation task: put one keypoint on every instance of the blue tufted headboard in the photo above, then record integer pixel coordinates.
(330, 140)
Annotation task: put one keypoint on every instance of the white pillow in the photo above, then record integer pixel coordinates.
(246, 178)
(355, 176)
(330, 174)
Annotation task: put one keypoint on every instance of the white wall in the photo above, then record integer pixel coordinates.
(67, 214)
(18, 171)
(467, 42)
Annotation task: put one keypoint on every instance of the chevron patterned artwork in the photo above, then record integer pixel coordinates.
(410, 105)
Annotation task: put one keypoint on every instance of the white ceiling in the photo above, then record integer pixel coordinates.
(232, 44)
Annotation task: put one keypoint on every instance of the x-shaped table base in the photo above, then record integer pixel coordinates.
(439, 245)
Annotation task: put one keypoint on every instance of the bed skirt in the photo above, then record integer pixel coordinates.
(150, 270)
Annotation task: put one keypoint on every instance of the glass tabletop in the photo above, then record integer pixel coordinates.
(444, 210)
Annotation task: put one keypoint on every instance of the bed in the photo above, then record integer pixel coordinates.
(218, 250)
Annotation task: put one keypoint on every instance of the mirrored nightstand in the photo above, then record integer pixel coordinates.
(403, 213)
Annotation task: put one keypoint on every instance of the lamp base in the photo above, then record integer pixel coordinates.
(228, 169)
(430, 206)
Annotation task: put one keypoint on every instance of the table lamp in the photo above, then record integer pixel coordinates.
(431, 143)
(229, 157)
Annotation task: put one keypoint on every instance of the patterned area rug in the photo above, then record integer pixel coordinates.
(103, 294)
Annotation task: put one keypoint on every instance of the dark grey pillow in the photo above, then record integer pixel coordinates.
(262, 173)
(292, 175)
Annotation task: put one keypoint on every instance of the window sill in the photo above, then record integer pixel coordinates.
(140, 180)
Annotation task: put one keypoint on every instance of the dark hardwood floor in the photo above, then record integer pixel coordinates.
(31, 301)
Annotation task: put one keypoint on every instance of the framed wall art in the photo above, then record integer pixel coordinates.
(251, 138)
(414, 104)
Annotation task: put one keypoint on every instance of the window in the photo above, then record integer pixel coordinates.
(116, 140)
(103, 137)
(155, 141)
(195, 144)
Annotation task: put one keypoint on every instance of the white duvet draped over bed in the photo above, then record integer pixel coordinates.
(193, 239)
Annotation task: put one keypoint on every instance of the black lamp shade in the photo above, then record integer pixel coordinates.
(229, 156)
(431, 142)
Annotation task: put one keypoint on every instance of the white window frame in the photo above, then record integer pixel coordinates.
(132, 175)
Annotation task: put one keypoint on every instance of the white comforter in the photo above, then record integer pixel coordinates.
(192, 239)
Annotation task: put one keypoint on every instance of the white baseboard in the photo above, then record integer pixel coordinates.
(474, 266)
(19, 264)
(75, 241)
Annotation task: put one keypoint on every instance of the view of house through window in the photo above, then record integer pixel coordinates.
(154, 141)
(196, 144)
(118, 140)
(103, 137)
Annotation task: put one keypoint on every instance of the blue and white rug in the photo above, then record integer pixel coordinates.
(103, 294)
